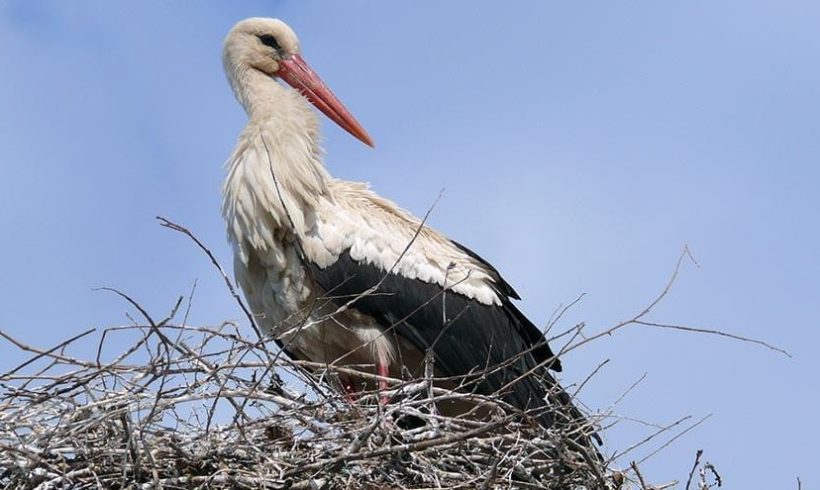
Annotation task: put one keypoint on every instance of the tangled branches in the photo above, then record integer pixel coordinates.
(183, 407)
(164, 404)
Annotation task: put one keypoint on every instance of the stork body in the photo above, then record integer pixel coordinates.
(308, 245)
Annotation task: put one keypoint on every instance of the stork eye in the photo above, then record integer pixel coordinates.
(271, 41)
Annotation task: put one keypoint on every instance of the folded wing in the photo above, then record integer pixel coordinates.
(433, 292)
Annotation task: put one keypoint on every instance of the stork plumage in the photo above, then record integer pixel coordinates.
(306, 243)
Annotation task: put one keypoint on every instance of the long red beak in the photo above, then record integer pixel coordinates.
(300, 76)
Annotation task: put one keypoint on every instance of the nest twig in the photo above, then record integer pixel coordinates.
(169, 405)
(184, 407)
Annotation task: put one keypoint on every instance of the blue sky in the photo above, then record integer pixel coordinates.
(580, 146)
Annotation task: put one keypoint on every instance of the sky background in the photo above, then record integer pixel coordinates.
(580, 146)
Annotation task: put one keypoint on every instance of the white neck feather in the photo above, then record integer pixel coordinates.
(275, 176)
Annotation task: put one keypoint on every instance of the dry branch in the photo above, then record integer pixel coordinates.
(183, 406)
(144, 420)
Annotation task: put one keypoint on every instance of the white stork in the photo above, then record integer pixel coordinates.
(306, 243)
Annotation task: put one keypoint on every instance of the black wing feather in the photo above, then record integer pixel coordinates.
(500, 284)
(534, 336)
(464, 335)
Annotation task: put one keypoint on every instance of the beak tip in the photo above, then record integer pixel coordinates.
(361, 135)
(301, 77)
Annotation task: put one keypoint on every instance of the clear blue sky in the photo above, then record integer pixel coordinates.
(581, 147)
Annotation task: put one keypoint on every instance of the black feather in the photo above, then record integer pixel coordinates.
(534, 336)
(500, 284)
(465, 336)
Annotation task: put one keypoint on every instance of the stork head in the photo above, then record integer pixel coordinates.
(271, 47)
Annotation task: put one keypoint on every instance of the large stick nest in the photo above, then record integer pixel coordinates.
(161, 404)
(184, 407)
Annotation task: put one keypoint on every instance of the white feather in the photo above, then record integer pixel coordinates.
(282, 208)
